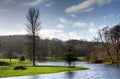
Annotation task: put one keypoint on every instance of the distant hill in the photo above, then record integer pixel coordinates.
(46, 47)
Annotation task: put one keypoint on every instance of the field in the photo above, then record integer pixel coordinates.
(15, 62)
(6, 71)
(36, 70)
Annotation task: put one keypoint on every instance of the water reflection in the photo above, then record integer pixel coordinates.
(35, 77)
(69, 75)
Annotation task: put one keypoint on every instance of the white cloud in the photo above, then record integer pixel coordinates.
(60, 34)
(61, 26)
(73, 15)
(19, 29)
(86, 6)
(33, 3)
(4, 10)
(21, 32)
(49, 4)
(93, 30)
(50, 33)
(75, 35)
(63, 20)
(80, 24)
(111, 16)
(17, 32)
(7, 1)
(19, 25)
(83, 24)
(87, 10)
(91, 24)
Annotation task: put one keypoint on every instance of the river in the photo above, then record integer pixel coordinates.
(96, 71)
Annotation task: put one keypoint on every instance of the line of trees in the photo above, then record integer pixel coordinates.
(20, 45)
(108, 48)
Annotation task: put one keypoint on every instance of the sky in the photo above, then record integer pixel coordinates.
(62, 19)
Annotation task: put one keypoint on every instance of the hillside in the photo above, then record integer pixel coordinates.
(45, 47)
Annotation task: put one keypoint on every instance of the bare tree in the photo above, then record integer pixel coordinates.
(9, 53)
(115, 38)
(104, 38)
(33, 26)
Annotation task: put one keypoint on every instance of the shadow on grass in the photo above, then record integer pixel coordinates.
(4, 64)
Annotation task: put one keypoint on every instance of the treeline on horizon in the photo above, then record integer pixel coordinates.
(104, 48)
(19, 45)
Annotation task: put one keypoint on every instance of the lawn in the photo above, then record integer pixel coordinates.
(9, 66)
(37, 70)
(15, 62)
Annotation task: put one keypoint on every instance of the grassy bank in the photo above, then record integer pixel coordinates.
(61, 58)
(36, 70)
(6, 69)
(14, 62)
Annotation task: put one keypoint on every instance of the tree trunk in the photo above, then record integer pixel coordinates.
(33, 48)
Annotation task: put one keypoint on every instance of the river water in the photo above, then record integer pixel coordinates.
(96, 71)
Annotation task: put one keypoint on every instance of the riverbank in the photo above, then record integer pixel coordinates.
(59, 59)
(7, 68)
(37, 70)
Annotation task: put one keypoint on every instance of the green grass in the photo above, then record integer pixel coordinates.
(37, 70)
(7, 69)
(81, 59)
(54, 58)
(61, 59)
(15, 62)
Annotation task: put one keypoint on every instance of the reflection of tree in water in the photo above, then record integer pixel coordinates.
(35, 77)
(70, 75)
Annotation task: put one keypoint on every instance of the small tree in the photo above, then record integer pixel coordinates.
(22, 58)
(69, 56)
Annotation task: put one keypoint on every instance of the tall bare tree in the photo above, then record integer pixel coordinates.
(33, 26)
(115, 38)
(104, 38)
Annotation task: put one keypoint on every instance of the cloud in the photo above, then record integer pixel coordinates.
(86, 6)
(19, 29)
(62, 20)
(33, 3)
(50, 33)
(107, 17)
(73, 15)
(17, 32)
(75, 35)
(93, 30)
(7, 1)
(83, 24)
(65, 22)
(60, 34)
(49, 4)
(61, 26)
(4, 10)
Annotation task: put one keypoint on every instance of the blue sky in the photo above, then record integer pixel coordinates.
(62, 19)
